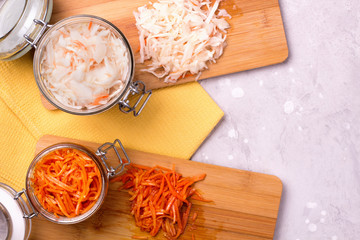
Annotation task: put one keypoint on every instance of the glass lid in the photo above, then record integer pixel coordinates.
(16, 20)
(13, 225)
(10, 14)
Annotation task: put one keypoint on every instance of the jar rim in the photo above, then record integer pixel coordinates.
(37, 63)
(62, 219)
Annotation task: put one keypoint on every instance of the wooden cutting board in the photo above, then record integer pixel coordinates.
(256, 37)
(245, 203)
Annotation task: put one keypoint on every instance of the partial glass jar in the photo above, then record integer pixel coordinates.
(99, 158)
(36, 203)
(128, 88)
(14, 223)
(16, 20)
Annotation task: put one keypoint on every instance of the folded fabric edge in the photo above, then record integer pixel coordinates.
(209, 135)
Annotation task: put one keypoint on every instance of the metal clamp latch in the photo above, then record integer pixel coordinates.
(45, 26)
(34, 213)
(137, 87)
(102, 151)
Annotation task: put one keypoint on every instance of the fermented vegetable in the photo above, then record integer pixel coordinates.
(85, 65)
(180, 37)
(160, 198)
(67, 182)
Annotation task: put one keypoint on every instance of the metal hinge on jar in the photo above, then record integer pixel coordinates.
(137, 87)
(104, 149)
(45, 26)
(17, 198)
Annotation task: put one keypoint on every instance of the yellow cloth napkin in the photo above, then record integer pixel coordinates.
(175, 121)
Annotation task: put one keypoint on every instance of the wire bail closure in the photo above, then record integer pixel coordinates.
(30, 215)
(45, 26)
(103, 150)
(137, 87)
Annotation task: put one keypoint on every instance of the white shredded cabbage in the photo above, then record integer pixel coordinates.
(180, 36)
(84, 65)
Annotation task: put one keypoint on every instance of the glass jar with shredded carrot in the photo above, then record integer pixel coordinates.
(67, 183)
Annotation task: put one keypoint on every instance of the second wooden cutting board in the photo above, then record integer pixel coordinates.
(245, 204)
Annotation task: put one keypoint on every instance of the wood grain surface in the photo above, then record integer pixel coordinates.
(245, 204)
(256, 37)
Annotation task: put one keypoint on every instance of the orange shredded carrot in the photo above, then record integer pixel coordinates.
(64, 34)
(90, 24)
(98, 99)
(67, 182)
(194, 216)
(159, 198)
(197, 196)
(79, 44)
(138, 49)
(188, 75)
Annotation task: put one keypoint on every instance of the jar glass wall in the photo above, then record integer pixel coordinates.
(39, 53)
(62, 219)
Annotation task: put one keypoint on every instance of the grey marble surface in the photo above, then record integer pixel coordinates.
(300, 121)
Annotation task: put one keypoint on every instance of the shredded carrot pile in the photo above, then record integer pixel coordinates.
(67, 182)
(160, 198)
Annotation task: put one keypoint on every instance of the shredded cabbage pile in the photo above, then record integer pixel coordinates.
(84, 65)
(180, 36)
